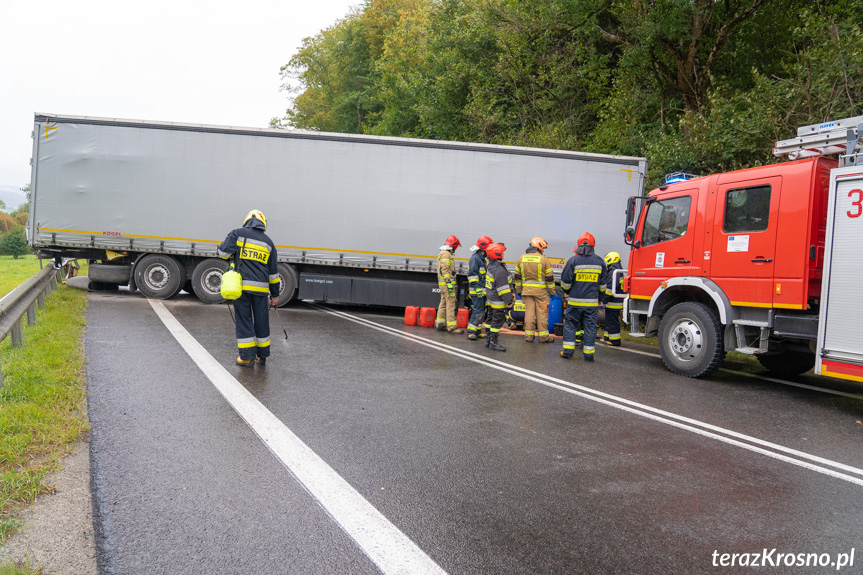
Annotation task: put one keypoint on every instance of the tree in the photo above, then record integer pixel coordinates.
(2, 206)
(13, 243)
(7, 223)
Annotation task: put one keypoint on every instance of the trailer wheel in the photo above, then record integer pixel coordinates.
(287, 284)
(110, 274)
(159, 277)
(207, 280)
(787, 362)
(690, 340)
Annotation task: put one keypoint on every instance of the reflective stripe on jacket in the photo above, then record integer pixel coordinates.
(584, 278)
(476, 271)
(612, 302)
(497, 288)
(533, 273)
(445, 268)
(258, 258)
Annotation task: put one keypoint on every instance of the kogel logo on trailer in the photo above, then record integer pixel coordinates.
(679, 177)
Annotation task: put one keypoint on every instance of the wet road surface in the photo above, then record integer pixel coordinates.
(516, 462)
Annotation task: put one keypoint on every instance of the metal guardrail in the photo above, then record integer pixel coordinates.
(23, 300)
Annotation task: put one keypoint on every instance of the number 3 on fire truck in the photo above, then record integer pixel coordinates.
(858, 204)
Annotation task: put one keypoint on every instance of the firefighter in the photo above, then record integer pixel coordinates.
(613, 305)
(258, 265)
(446, 281)
(476, 284)
(583, 279)
(498, 292)
(534, 280)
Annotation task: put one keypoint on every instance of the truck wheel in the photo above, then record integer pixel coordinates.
(110, 274)
(690, 340)
(159, 277)
(787, 362)
(287, 285)
(207, 280)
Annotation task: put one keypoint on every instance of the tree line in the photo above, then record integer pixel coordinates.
(700, 86)
(12, 239)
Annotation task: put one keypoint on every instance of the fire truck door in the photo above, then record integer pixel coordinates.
(665, 248)
(744, 240)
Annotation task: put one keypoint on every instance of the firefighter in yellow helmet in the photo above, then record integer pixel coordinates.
(534, 280)
(258, 264)
(446, 280)
(613, 305)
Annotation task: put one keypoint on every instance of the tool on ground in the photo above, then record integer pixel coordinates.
(281, 323)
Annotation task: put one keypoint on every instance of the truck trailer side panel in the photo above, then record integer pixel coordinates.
(330, 199)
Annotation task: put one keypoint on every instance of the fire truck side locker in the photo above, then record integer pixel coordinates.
(840, 346)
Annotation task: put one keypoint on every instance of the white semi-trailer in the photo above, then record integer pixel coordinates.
(355, 218)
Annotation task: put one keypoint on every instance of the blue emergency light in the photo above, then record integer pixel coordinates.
(679, 177)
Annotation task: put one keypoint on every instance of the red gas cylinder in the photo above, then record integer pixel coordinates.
(411, 315)
(427, 316)
(462, 317)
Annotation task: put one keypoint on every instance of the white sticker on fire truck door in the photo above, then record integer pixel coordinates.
(738, 243)
(660, 259)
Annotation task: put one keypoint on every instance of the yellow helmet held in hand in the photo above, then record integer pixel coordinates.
(258, 215)
(612, 258)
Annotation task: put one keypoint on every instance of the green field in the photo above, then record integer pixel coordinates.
(43, 408)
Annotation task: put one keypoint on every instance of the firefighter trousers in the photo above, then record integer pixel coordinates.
(446, 312)
(476, 314)
(577, 319)
(536, 314)
(496, 318)
(252, 317)
(612, 325)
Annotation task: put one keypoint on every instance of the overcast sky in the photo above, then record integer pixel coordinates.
(213, 62)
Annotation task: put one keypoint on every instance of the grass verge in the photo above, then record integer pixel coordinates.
(43, 397)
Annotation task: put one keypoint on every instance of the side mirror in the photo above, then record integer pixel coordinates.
(629, 235)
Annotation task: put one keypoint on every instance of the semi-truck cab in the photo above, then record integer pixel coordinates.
(736, 261)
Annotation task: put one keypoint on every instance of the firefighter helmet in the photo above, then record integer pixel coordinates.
(258, 215)
(495, 251)
(612, 258)
(587, 238)
(539, 243)
(452, 242)
(483, 242)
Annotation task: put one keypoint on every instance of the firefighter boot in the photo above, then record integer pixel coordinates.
(608, 341)
(547, 339)
(472, 335)
(528, 338)
(456, 330)
(244, 362)
(493, 343)
(566, 354)
(588, 357)
(261, 360)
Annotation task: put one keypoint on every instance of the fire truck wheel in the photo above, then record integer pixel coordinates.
(690, 340)
(159, 277)
(788, 362)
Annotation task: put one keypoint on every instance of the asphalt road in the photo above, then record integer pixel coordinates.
(368, 446)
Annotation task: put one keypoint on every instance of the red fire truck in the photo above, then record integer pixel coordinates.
(765, 261)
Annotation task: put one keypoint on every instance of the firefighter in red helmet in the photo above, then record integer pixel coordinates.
(476, 271)
(446, 280)
(498, 292)
(584, 279)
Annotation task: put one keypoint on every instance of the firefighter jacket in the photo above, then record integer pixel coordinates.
(584, 278)
(497, 288)
(476, 271)
(445, 270)
(533, 274)
(612, 302)
(258, 259)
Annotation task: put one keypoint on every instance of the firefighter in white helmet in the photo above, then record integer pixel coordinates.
(259, 267)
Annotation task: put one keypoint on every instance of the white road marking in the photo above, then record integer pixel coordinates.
(390, 549)
(750, 443)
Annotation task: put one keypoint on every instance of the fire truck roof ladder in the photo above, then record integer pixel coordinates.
(838, 137)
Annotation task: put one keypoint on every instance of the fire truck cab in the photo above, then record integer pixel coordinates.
(732, 261)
